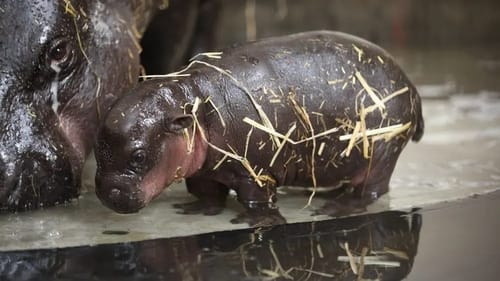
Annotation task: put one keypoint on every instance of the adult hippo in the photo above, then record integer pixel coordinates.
(62, 64)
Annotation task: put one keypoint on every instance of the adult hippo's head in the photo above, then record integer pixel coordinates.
(62, 64)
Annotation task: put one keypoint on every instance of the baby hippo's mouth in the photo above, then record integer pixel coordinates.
(122, 197)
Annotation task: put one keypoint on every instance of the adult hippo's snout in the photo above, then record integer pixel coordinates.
(38, 164)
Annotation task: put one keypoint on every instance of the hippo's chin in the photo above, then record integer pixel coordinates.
(120, 199)
(41, 184)
(124, 206)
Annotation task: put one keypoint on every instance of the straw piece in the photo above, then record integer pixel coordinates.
(359, 51)
(373, 132)
(220, 162)
(387, 98)
(361, 268)
(247, 142)
(393, 133)
(69, 9)
(210, 55)
(362, 116)
(353, 138)
(319, 273)
(396, 253)
(321, 105)
(321, 148)
(370, 260)
(351, 260)
(336, 81)
(290, 131)
(261, 127)
(320, 251)
(281, 136)
(223, 123)
(370, 92)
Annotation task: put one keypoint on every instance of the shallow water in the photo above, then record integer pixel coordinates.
(422, 244)
(455, 67)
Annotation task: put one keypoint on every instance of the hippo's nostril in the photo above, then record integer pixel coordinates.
(35, 182)
(120, 198)
(114, 194)
(27, 179)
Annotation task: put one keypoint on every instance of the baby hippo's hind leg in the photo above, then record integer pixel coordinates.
(211, 197)
(366, 187)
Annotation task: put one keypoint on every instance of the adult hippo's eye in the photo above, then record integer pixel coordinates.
(138, 158)
(60, 55)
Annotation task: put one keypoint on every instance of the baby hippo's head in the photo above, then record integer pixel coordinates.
(144, 145)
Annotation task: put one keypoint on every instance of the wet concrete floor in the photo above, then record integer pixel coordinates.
(442, 242)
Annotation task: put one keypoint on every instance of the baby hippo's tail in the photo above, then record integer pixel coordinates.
(419, 132)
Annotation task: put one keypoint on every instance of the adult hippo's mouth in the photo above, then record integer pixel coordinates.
(41, 157)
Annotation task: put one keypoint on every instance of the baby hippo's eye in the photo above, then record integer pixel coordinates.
(138, 158)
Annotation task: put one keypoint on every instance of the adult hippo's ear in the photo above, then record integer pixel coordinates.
(177, 124)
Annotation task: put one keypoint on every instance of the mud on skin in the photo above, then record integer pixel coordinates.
(312, 109)
(62, 64)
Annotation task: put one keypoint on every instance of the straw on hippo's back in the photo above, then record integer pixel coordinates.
(310, 109)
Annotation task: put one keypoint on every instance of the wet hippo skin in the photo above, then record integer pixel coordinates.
(315, 109)
(62, 64)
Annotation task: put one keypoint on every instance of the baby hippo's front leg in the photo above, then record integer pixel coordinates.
(211, 197)
(259, 203)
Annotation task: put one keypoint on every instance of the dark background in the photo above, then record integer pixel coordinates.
(451, 42)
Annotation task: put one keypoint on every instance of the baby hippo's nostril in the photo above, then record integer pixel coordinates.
(114, 195)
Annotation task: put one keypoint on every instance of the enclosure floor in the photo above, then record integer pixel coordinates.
(457, 159)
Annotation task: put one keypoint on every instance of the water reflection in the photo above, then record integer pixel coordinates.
(376, 246)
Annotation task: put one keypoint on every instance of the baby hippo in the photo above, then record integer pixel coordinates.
(314, 109)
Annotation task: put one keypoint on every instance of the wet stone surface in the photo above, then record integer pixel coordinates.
(391, 245)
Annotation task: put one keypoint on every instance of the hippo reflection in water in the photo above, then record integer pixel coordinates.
(62, 64)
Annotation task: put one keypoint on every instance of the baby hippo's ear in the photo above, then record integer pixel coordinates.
(178, 123)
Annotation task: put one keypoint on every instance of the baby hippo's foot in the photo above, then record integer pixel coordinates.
(339, 208)
(208, 208)
(354, 200)
(260, 214)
